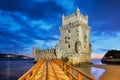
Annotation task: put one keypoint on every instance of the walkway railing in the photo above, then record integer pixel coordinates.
(68, 70)
(30, 74)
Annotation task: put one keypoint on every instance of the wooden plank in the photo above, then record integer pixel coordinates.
(54, 72)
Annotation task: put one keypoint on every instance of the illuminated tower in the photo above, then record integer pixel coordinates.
(74, 42)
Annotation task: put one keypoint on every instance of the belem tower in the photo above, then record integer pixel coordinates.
(74, 42)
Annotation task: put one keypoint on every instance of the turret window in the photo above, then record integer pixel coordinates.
(69, 23)
(65, 37)
(68, 45)
(68, 37)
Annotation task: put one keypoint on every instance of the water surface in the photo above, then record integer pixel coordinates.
(13, 69)
(93, 71)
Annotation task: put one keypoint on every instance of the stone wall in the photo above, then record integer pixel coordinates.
(44, 54)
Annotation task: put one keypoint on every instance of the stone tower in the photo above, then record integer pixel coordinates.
(74, 42)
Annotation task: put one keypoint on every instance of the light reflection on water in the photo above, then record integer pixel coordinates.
(96, 72)
(8, 69)
(93, 71)
(13, 69)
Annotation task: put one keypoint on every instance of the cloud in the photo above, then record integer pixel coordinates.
(41, 44)
(41, 24)
(18, 33)
(6, 20)
(69, 3)
(44, 10)
(105, 42)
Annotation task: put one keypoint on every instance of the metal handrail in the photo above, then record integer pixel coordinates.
(68, 70)
(30, 74)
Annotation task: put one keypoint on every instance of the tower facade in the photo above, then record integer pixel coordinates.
(74, 42)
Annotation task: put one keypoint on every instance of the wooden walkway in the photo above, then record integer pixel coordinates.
(54, 70)
(50, 71)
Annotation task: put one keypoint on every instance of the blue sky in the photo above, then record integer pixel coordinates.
(28, 23)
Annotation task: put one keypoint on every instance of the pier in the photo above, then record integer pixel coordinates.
(54, 70)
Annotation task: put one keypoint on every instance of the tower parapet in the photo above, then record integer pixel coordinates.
(76, 17)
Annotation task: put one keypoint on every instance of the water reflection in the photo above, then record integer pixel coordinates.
(93, 71)
(97, 72)
(8, 69)
(13, 69)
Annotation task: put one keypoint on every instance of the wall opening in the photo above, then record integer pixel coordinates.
(77, 46)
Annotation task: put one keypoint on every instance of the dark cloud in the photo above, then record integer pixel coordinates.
(107, 12)
(100, 11)
(103, 50)
(46, 10)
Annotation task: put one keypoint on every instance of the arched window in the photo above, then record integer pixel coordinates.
(77, 46)
(68, 37)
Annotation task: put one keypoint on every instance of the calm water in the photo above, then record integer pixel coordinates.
(13, 69)
(93, 71)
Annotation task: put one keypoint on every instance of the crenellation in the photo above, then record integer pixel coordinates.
(67, 17)
(74, 24)
(74, 18)
(44, 54)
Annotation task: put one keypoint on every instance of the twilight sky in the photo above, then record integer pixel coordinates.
(28, 23)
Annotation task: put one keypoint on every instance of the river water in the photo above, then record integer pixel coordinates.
(93, 71)
(13, 69)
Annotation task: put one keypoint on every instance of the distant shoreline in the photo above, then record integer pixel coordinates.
(13, 56)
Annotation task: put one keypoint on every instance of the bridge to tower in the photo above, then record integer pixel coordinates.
(54, 70)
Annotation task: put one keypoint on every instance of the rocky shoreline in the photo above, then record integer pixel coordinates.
(111, 57)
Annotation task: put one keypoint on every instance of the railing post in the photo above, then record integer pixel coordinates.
(61, 65)
(79, 76)
(70, 76)
(28, 77)
(64, 68)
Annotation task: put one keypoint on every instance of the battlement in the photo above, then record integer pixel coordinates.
(47, 51)
(44, 54)
(74, 17)
(69, 16)
(73, 24)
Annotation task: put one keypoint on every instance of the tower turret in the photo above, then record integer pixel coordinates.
(78, 12)
(63, 19)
